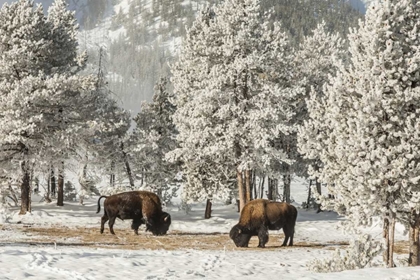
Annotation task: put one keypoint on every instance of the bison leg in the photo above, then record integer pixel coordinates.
(288, 233)
(135, 225)
(111, 224)
(103, 221)
(262, 236)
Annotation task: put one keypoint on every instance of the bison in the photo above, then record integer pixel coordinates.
(260, 215)
(141, 206)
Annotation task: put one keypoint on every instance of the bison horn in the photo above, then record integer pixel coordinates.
(165, 219)
(239, 231)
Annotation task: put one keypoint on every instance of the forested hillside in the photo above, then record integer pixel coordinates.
(140, 37)
(143, 36)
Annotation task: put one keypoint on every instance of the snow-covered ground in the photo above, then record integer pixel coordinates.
(53, 259)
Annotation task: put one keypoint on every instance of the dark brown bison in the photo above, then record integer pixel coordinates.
(260, 215)
(141, 206)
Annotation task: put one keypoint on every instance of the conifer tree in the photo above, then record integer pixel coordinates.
(231, 82)
(46, 105)
(153, 137)
(316, 61)
(372, 115)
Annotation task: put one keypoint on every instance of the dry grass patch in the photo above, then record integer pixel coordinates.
(174, 240)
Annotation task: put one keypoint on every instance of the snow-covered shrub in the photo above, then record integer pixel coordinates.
(359, 254)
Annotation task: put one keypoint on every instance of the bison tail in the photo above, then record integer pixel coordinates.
(99, 205)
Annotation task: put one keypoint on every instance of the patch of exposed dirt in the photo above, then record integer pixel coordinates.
(174, 240)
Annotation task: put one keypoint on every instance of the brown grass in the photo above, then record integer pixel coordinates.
(174, 240)
(126, 239)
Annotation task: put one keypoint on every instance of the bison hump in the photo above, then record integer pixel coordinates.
(253, 214)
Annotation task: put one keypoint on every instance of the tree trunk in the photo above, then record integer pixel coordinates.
(248, 185)
(286, 188)
(391, 243)
(25, 201)
(318, 190)
(112, 175)
(388, 234)
(60, 189)
(262, 187)
(254, 184)
(414, 250)
(241, 190)
(127, 166)
(308, 200)
(270, 189)
(386, 238)
(53, 183)
(207, 214)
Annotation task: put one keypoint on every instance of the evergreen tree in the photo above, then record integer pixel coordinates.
(231, 82)
(316, 62)
(371, 110)
(153, 137)
(46, 105)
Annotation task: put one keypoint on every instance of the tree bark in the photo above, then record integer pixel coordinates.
(254, 185)
(53, 183)
(241, 189)
(207, 214)
(308, 200)
(270, 189)
(385, 234)
(286, 188)
(60, 189)
(391, 243)
(25, 201)
(414, 250)
(318, 190)
(248, 185)
(112, 175)
(127, 166)
(262, 187)
(84, 184)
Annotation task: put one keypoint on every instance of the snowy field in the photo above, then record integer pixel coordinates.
(50, 243)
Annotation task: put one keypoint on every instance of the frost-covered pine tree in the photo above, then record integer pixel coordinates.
(46, 106)
(153, 137)
(63, 50)
(372, 115)
(316, 62)
(232, 82)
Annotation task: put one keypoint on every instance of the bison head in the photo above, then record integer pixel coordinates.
(239, 237)
(162, 226)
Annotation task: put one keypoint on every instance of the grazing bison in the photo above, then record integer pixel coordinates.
(260, 215)
(141, 206)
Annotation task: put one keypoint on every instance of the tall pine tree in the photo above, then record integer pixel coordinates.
(371, 110)
(231, 82)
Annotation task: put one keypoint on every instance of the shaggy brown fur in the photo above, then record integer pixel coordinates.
(141, 206)
(260, 215)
